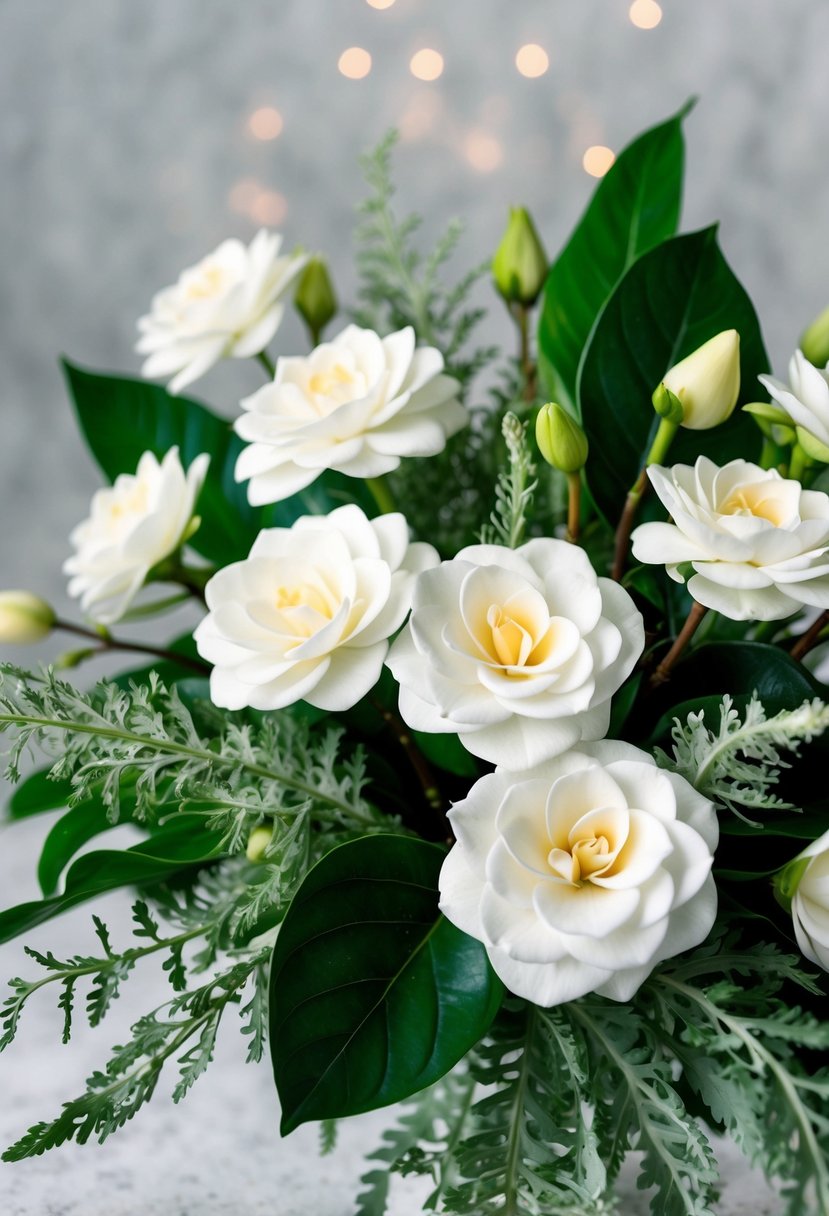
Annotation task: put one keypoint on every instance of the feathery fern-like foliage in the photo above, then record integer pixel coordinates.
(738, 763)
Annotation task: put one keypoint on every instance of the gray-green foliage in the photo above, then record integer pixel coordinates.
(559, 1097)
(737, 763)
(276, 767)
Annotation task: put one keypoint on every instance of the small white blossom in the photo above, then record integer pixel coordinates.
(229, 305)
(132, 526)
(308, 615)
(805, 398)
(357, 404)
(757, 543)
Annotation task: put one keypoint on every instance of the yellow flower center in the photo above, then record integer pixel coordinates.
(207, 284)
(304, 608)
(323, 384)
(512, 638)
(759, 500)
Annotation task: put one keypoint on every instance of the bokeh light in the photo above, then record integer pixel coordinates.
(380, 3)
(483, 151)
(597, 160)
(265, 123)
(532, 60)
(268, 207)
(426, 64)
(243, 195)
(645, 14)
(355, 63)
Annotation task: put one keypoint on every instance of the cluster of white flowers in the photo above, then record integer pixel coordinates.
(578, 862)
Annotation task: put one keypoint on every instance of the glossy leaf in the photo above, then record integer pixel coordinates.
(374, 995)
(671, 301)
(635, 206)
(182, 844)
(37, 794)
(121, 418)
(71, 832)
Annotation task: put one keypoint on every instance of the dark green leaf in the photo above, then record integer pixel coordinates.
(36, 794)
(122, 418)
(669, 303)
(374, 995)
(71, 832)
(636, 205)
(184, 843)
(446, 752)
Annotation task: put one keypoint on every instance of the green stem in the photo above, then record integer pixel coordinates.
(378, 487)
(798, 463)
(267, 362)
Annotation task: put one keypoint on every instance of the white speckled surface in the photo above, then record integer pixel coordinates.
(122, 134)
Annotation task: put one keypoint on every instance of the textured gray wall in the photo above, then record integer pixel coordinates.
(122, 136)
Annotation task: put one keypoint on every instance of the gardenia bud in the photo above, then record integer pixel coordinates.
(24, 617)
(258, 842)
(560, 439)
(519, 267)
(815, 340)
(707, 382)
(315, 300)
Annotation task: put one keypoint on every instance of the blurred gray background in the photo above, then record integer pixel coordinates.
(129, 149)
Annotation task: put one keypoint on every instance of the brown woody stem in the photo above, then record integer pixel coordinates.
(808, 640)
(692, 623)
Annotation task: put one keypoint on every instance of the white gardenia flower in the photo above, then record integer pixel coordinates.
(810, 902)
(356, 404)
(308, 615)
(229, 305)
(581, 874)
(132, 526)
(517, 651)
(805, 398)
(758, 543)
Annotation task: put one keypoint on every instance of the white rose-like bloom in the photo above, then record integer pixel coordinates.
(356, 404)
(132, 526)
(228, 305)
(805, 398)
(583, 873)
(810, 903)
(308, 615)
(758, 542)
(516, 651)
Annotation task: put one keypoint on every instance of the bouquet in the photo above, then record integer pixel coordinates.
(491, 779)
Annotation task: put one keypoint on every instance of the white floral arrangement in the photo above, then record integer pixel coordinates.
(473, 785)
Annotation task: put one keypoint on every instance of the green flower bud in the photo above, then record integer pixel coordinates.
(74, 658)
(519, 267)
(707, 382)
(560, 439)
(315, 300)
(258, 842)
(24, 617)
(814, 341)
(667, 404)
